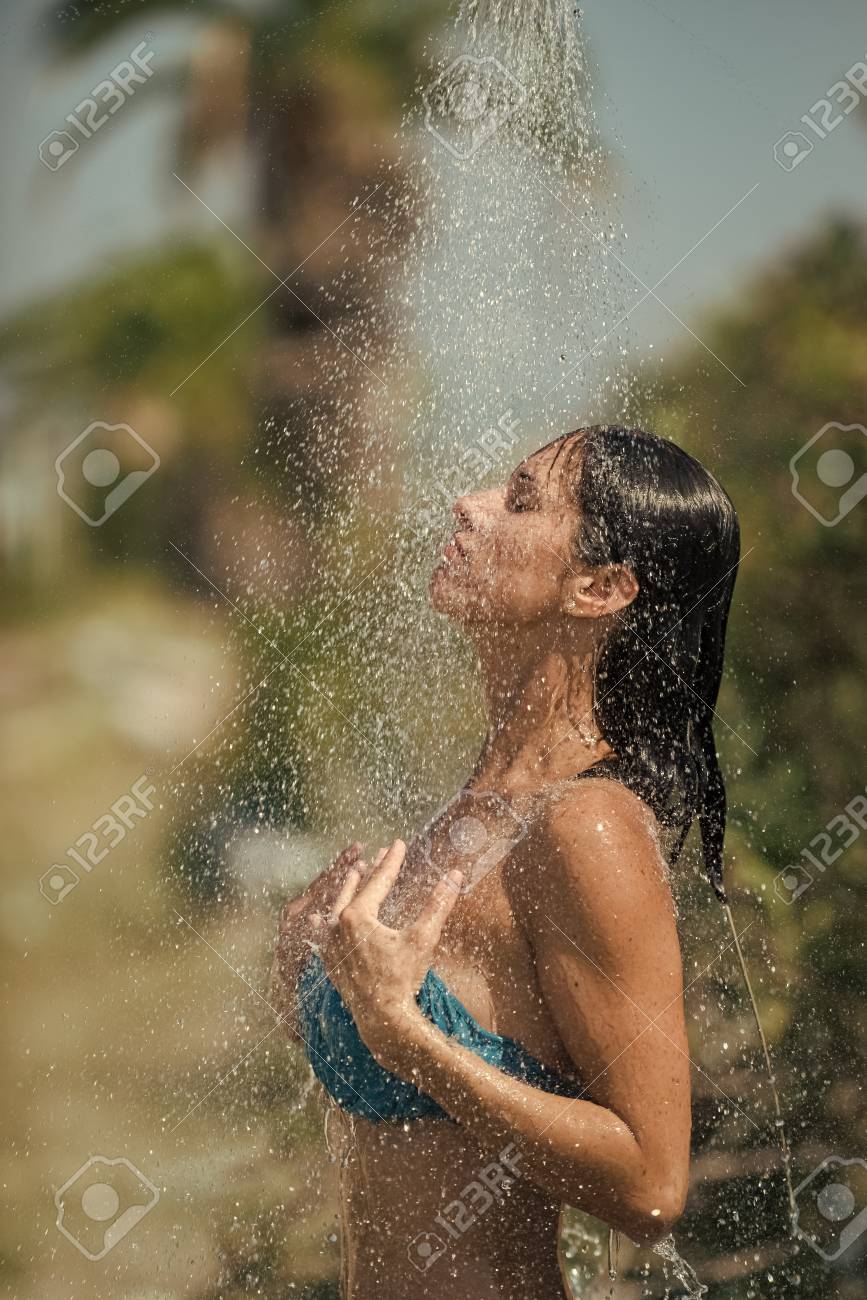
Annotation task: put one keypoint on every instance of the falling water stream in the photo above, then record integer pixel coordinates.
(519, 65)
(527, 73)
(779, 1122)
(523, 67)
(498, 317)
(679, 1269)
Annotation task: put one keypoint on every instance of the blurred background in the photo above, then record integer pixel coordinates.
(214, 668)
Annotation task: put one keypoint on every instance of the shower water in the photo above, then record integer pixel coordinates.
(496, 316)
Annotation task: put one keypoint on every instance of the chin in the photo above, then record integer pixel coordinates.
(448, 597)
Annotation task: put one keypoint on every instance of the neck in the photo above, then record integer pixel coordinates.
(539, 698)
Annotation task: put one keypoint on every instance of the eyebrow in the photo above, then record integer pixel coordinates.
(523, 474)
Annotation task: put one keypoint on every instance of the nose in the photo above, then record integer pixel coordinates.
(478, 510)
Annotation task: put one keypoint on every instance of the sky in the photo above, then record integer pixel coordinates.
(694, 98)
(691, 100)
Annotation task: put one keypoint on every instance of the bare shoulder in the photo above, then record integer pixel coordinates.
(594, 851)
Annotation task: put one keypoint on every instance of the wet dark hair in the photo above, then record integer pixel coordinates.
(647, 504)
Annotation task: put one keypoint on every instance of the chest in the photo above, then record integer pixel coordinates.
(484, 955)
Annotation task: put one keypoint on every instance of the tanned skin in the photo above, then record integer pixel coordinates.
(568, 945)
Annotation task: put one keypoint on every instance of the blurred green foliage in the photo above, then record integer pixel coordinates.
(794, 690)
(794, 687)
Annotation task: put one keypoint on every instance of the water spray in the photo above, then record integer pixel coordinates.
(779, 1122)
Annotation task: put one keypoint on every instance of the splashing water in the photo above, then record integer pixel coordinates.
(490, 315)
(779, 1123)
(613, 1260)
(524, 69)
(678, 1267)
(510, 160)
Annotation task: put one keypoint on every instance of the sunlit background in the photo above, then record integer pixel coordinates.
(214, 682)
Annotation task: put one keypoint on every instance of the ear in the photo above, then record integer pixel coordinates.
(597, 592)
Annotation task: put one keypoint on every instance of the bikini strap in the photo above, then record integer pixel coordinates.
(602, 767)
(613, 768)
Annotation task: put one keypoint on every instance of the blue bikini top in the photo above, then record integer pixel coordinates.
(358, 1083)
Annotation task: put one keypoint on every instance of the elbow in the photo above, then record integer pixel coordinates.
(651, 1214)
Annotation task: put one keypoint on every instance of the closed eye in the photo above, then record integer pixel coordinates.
(522, 493)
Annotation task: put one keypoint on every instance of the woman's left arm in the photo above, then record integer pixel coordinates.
(600, 919)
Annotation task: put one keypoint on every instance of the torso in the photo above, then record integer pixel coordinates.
(398, 1178)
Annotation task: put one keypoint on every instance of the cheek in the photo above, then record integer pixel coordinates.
(512, 576)
(528, 592)
(519, 578)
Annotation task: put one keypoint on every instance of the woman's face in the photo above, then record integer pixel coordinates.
(512, 547)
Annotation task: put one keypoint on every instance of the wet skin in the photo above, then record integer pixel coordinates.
(397, 1178)
(568, 945)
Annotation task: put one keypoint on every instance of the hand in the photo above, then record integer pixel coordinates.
(378, 971)
(295, 932)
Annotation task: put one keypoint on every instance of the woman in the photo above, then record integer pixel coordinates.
(498, 1011)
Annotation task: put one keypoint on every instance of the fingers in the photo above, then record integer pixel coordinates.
(347, 892)
(335, 871)
(290, 912)
(356, 874)
(283, 957)
(433, 916)
(348, 855)
(317, 892)
(324, 885)
(382, 877)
